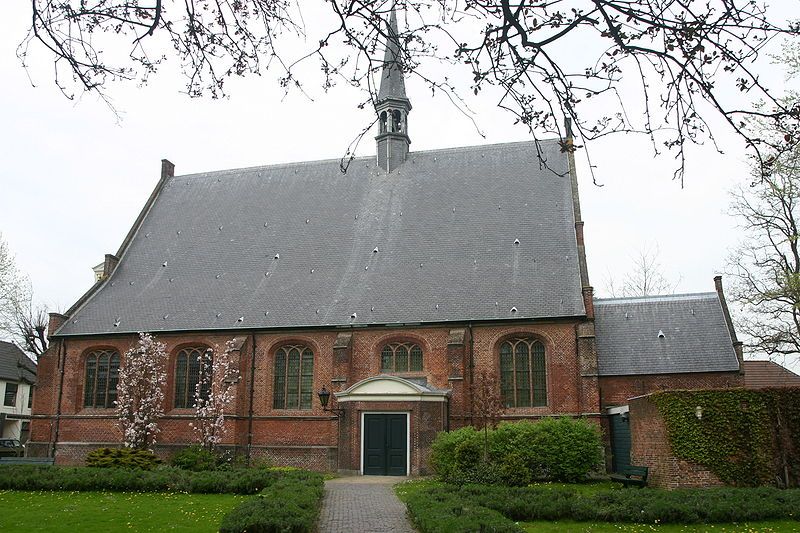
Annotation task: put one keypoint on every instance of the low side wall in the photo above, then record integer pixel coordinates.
(650, 447)
(317, 458)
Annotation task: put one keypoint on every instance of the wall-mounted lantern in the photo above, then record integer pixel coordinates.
(324, 397)
(698, 412)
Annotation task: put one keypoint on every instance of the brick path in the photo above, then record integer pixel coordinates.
(363, 504)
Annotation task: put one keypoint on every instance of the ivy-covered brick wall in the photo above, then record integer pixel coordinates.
(741, 437)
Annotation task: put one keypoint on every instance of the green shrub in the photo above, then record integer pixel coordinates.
(291, 504)
(122, 458)
(161, 479)
(513, 470)
(195, 458)
(552, 449)
(443, 450)
(567, 449)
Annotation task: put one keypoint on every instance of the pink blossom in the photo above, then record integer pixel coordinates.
(218, 378)
(140, 392)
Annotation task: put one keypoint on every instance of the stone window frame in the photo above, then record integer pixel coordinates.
(392, 346)
(94, 355)
(537, 371)
(281, 382)
(187, 389)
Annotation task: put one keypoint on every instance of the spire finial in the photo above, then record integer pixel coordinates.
(392, 104)
(392, 83)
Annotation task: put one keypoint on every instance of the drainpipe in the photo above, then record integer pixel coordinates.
(250, 406)
(447, 415)
(471, 371)
(62, 359)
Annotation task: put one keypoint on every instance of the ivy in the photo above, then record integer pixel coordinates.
(745, 437)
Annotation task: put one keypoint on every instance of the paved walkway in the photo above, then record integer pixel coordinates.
(363, 504)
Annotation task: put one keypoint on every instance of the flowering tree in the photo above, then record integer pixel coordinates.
(140, 391)
(213, 393)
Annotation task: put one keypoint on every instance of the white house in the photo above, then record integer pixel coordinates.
(17, 379)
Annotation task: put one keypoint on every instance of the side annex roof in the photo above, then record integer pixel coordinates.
(663, 335)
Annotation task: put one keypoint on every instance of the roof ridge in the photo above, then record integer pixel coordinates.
(453, 149)
(657, 297)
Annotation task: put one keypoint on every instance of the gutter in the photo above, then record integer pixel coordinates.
(302, 327)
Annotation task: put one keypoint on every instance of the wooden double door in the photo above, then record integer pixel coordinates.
(386, 444)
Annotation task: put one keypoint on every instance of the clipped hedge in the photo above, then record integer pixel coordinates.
(562, 449)
(162, 479)
(122, 458)
(438, 511)
(290, 505)
(746, 437)
(688, 506)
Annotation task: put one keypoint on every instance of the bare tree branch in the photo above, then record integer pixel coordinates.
(645, 278)
(766, 265)
(688, 56)
(20, 319)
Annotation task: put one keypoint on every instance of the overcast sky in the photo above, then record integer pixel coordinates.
(73, 178)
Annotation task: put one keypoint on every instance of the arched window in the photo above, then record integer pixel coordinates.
(187, 375)
(401, 357)
(294, 377)
(523, 375)
(383, 122)
(102, 374)
(397, 121)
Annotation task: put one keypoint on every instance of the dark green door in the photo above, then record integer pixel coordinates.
(620, 442)
(385, 445)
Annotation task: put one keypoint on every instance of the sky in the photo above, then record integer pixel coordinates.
(74, 177)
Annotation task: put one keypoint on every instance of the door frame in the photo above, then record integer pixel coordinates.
(364, 434)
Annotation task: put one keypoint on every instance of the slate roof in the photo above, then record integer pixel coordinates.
(15, 365)
(696, 336)
(302, 244)
(760, 374)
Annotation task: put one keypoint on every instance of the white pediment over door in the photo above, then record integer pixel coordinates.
(386, 388)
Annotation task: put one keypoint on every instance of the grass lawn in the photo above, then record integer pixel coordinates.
(113, 511)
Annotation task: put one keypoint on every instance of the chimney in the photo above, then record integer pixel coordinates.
(56, 321)
(167, 169)
(109, 265)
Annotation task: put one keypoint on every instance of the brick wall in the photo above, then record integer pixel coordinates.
(650, 447)
(310, 436)
(616, 390)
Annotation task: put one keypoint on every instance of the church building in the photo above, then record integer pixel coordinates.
(364, 306)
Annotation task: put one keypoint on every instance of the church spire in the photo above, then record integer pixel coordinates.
(392, 104)
(392, 83)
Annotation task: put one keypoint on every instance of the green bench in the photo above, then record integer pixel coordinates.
(26, 460)
(632, 475)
